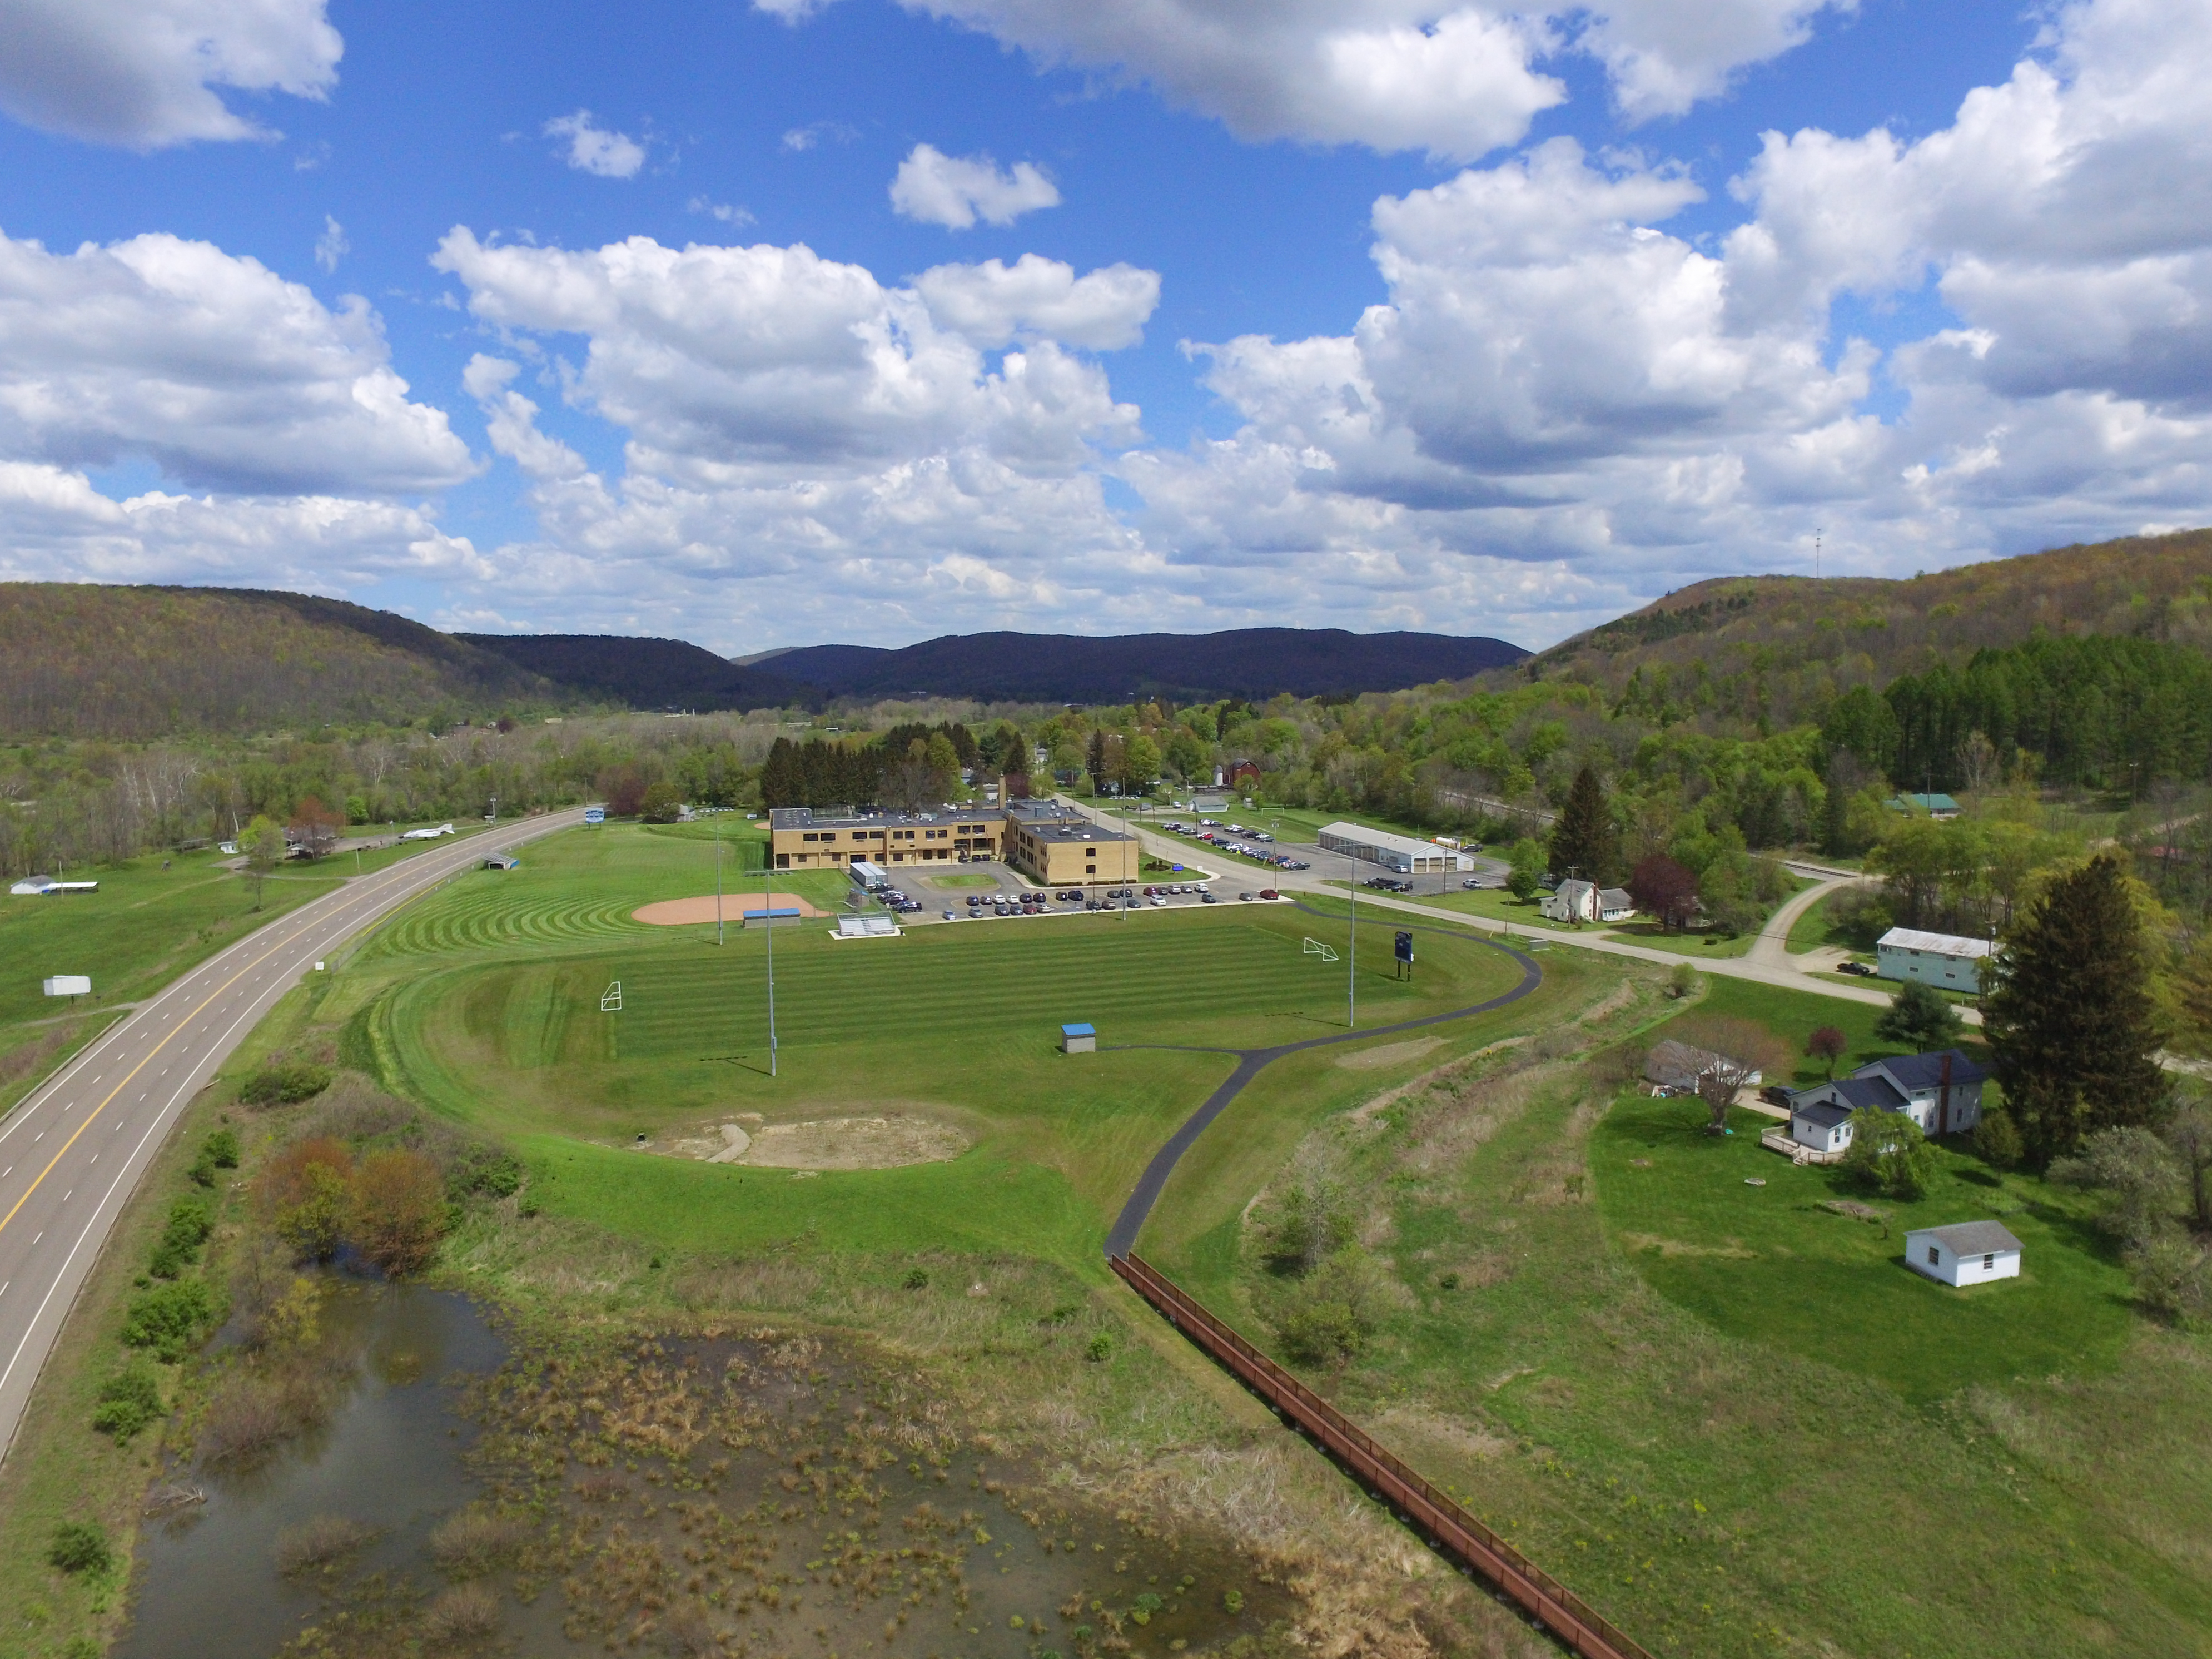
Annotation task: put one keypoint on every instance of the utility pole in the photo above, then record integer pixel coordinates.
(718, 881)
(768, 903)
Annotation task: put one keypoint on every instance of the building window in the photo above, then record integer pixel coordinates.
(810, 835)
(1935, 1257)
(1988, 1262)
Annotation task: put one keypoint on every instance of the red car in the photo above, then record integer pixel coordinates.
(1269, 893)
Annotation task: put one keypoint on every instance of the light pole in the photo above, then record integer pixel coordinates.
(1351, 974)
(718, 881)
(767, 904)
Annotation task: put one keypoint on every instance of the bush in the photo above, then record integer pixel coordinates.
(2172, 1278)
(320, 1542)
(1919, 1019)
(486, 1170)
(306, 1192)
(80, 1546)
(1321, 1333)
(399, 1212)
(661, 803)
(285, 1084)
(218, 1151)
(917, 1278)
(190, 1223)
(1100, 1349)
(474, 1543)
(1996, 1139)
(466, 1613)
(170, 1319)
(1683, 982)
(128, 1401)
(1888, 1154)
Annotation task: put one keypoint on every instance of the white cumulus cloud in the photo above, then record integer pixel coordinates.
(144, 74)
(593, 149)
(992, 303)
(955, 192)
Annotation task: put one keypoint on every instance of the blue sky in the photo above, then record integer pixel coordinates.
(771, 324)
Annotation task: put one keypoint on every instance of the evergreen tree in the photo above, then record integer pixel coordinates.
(1585, 842)
(2072, 1020)
(1096, 758)
(1919, 1019)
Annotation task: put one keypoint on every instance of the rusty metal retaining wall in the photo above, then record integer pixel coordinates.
(1551, 1604)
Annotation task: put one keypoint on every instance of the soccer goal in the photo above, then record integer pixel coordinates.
(611, 999)
(1315, 948)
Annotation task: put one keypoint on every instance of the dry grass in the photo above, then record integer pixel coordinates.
(464, 1614)
(474, 1542)
(318, 1542)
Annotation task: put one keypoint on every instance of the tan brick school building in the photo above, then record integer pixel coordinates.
(1054, 845)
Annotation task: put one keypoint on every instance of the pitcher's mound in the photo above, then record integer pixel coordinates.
(853, 1143)
(685, 912)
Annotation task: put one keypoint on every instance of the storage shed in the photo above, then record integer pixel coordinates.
(1079, 1039)
(1965, 1253)
(1949, 960)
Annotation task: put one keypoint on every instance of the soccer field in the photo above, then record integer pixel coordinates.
(484, 1002)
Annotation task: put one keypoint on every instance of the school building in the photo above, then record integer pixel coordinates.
(1052, 844)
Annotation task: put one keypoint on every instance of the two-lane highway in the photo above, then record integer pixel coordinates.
(74, 1152)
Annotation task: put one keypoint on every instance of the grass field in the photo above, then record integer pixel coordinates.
(1729, 1417)
(483, 1001)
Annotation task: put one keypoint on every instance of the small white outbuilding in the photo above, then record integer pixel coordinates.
(1966, 1253)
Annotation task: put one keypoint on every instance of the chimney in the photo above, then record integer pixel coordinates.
(1943, 1099)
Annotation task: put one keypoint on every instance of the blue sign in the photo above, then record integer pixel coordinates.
(595, 815)
(1404, 943)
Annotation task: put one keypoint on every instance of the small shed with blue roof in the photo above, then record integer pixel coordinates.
(1079, 1039)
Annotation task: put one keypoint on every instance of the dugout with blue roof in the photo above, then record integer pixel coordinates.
(1079, 1039)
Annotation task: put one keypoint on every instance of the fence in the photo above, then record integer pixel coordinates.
(1551, 1604)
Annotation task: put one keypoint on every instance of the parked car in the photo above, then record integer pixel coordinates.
(1269, 893)
(1246, 897)
(1159, 903)
(1382, 882)
(1207, 898)
(1858, 968)
(948, 915)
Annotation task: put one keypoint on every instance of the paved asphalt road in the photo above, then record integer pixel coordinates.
(73, 1152)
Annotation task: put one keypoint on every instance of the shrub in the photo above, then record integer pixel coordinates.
(306, 1192)
(488, 1170)
(190, 1223)
(1100, 1349)
(285, 1084)
(474, 1543)
(244, 1421)
(661, 803)
(218, 1151)
(398, 1210)
(80, 1546)
(1321, 1333)
(466, 1613)
(1919, 1019)
(320, 1542)
(1996, 1139)
(1888, 1154)
(2172, 1277)
(170, 1319)
(128, 1401)
(917, 1278)
(1683, 982)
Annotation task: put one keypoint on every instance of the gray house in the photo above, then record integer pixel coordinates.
(1941, 1092)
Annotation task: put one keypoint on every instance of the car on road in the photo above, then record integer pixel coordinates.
(948, 915)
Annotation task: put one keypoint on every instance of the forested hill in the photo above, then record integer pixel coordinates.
(644, 673)
(1775, 650)
(84, 661)
(1253, 663)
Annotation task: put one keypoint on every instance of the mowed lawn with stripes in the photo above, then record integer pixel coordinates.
(484, 1002)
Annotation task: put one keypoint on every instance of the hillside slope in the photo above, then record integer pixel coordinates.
(84, 660)
(1247, 662)
(1773, 648)
(643, 672)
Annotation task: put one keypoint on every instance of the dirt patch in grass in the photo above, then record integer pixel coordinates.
(855, 1143)
(1730, 1251)
(1390, 1054)
(689, 912)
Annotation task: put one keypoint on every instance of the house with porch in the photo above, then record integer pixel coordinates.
(1941, 1092)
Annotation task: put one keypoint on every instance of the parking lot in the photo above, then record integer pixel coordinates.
(950, 893)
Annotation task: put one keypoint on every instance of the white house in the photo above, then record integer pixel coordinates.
(1941, 1092)
(1966, 1253)
(1822, 1125)
(1582, 901)
(1945, 959)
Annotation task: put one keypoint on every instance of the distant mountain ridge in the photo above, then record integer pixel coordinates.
(643, 672)
(1255, 663)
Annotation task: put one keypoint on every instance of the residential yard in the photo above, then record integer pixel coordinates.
(1727, 1416)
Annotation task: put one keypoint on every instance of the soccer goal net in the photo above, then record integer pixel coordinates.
(1315, 948)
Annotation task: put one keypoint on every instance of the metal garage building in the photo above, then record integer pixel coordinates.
(1406, 854)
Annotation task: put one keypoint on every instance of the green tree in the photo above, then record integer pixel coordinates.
(661, 803)
(2072, 1020)
(1919, 1019)
(1095, 758)
(1888, 1154)
(1140, 764)
(1527, 871)
(1585, 841)
(262, 841)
